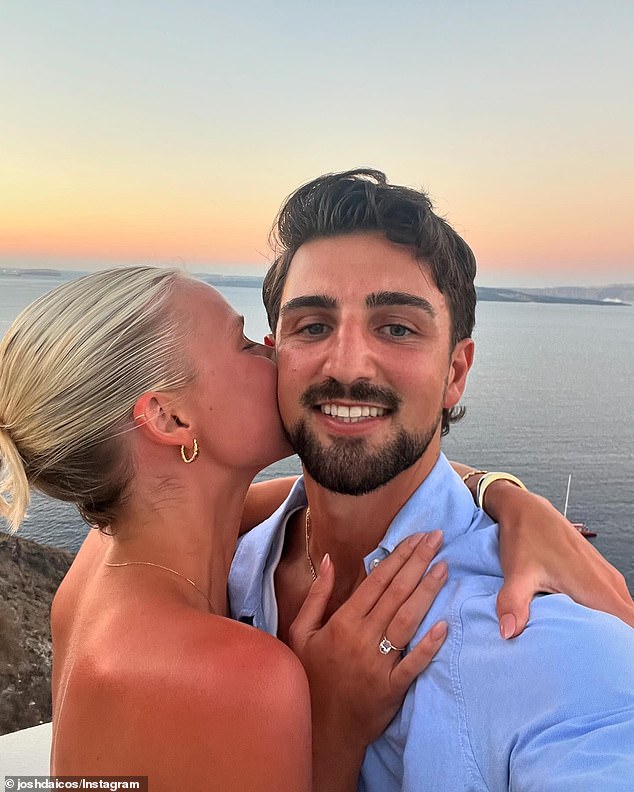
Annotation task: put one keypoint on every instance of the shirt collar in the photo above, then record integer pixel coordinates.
(255, 548)
(440, 501)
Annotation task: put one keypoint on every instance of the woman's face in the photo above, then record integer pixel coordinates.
(234, 393)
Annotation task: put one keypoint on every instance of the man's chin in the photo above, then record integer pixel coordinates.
(348, 466)
(352, 488)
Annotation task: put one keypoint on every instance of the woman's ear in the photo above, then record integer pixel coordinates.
(158, 415)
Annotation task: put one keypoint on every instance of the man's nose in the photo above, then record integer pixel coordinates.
(350, 356)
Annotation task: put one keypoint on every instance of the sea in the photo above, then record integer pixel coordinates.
(550, 395)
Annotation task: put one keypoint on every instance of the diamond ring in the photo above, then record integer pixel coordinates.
(386, 646)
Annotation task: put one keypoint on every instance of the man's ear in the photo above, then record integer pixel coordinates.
(459, 365)
(269, 340)
(158, 415)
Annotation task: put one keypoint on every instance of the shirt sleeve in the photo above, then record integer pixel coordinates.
(552, 710)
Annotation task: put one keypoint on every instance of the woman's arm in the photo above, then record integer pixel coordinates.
(541, 551)
(263, 499)
(248, 729)
(263, 721)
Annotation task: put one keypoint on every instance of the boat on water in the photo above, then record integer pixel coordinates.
(580, 526)
(584, 530)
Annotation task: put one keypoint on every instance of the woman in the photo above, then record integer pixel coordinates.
(111, 388)
(135, 394)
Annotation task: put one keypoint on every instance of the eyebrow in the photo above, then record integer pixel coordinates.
(384, 298)
(310, 301)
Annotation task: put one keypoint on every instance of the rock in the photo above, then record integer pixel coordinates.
(29, 576)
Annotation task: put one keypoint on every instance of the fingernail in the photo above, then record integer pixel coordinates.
(325, 563)
(434, 539)
(507, 626)
(438, 631)
(439, 570)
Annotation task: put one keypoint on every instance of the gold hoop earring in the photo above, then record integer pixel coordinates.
(194, 455)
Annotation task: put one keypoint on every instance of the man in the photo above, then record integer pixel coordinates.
(372, 303)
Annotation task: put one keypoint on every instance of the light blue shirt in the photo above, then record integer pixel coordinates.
(552, 710)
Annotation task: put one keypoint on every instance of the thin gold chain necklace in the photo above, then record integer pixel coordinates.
(167, 569)
(307, 527)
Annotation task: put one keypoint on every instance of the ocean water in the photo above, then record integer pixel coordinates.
(550, 394)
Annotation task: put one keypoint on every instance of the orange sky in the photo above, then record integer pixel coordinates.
(177, 140)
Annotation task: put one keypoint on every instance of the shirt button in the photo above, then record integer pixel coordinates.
(374, 563)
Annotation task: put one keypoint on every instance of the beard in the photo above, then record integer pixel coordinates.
(347, 466)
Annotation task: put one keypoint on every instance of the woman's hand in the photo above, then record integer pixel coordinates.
(541, 551)
(355, 688)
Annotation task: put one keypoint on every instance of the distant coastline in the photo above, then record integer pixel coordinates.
(585, 295)
(42, 272)
(612, 295)
(616, 294)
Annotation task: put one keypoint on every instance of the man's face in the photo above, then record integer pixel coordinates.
(364, 361)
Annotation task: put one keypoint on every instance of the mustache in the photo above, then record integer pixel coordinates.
(332, 389)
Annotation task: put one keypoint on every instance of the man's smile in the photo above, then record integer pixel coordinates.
(352, 413)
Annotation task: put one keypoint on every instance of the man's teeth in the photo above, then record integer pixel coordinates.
(351, 414)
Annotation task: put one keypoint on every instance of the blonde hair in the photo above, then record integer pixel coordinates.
(72, 367)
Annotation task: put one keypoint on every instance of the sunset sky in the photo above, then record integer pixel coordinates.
(165, 132)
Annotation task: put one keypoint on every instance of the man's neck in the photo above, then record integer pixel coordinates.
(349, 527)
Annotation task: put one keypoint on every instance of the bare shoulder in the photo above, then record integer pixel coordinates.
(217, 702)
(209, 658)
(72, 589)
(250, 660)
(251, 693)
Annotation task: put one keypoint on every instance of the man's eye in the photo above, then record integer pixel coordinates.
(314, 329)
(396, 331)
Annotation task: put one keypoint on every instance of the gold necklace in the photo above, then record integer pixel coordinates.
(307, 526)
(167, 569)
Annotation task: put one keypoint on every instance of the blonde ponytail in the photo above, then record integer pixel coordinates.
(14, 486)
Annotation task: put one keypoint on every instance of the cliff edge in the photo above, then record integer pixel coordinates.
(29, 576)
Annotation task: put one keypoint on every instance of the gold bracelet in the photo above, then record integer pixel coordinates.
(468, 475)
(488, 479)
